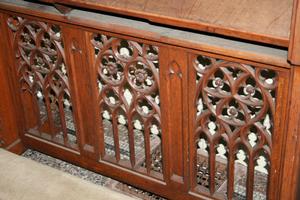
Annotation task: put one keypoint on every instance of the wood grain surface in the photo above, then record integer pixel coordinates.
(195, 91)
(264, 21)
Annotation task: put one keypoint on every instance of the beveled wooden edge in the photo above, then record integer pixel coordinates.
(294, 45)
(184, 23)
(252, 52)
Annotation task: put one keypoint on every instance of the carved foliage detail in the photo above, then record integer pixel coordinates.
(43, 75)
(128, 83)
(235, 106)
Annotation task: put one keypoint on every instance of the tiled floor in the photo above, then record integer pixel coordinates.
(89, 175)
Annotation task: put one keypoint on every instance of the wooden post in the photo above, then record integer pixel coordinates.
(292, 151)
(9, 127)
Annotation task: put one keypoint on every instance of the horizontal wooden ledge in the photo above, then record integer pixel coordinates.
(267, 22)
(29, 135)
(166, 35)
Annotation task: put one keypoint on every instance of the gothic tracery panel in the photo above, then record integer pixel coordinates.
(235, 105)
(128, 83)
(43, 78)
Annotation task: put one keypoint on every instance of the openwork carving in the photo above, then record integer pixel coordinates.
(43, 79)
(235, 106)
(128, 83)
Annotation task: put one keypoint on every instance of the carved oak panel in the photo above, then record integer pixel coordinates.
(129, 103)
(234, 121)
(44, 81)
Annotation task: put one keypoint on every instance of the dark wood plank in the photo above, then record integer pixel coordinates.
(152, 32)
(267, 21)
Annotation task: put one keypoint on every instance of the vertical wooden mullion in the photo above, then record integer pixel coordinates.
(147, 146)
(174, 104)
(71, 65)
(230, 174)
(36, 108)
(289, 180)
(100, 128)
(131, 141)
(49, 112)
(250, 177)
(193, 162)
(93, 74)
(279, 133)
(192, 87)
(185, 114)
(116, 134)
(269, 185)
(163, 63)
(79, 68)
(63, 120)
(212, 164)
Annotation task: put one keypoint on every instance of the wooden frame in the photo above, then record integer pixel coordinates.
(177, 91)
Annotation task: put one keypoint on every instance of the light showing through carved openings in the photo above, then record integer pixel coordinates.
(235, 105)
(43, 78)
(128, 83)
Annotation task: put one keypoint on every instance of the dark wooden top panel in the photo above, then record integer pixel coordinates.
(152, 32)
(264, 21)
